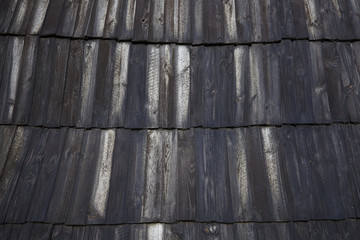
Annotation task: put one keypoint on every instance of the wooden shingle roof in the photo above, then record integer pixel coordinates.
(181, 119)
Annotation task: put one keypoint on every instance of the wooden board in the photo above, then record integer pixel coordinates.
(67, 18)
(119, 182)
(10, 76)
(136, 177)
(37, 16)
(25, 89)
(61, 232)
(238, 163)
(98, 202)
(90, 58)
(273, 96)
(303, 100)
(295, 172)
(21, 16)
(3, 49)
(12, 169)
(65, 177)
(259, 182)
(103, 84)
(350, 78)
(240, 85)
(71, 101)
(333, 78)
(320, 99)
(114, 8)
(197, 69)
(141, 21)
(52, 19)
(119, 86)
(83, 18)
(134, 117)
(125, 27)
(98, 18)
(47, 175)
(46, 55)
(8, 133)
(41, 231)
(205, 176)
(186, 193)
(6, 13)
(224, 210)
(85, 177)
(21, 198)
(56, 83)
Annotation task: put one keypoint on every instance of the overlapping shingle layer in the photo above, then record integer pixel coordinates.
(113, 176)
(184, 21)
(56, 82)
(179, 119)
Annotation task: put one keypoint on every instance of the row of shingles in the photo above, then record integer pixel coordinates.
(184, 21)
(41, 169)
(57, 82)
(62, 175)
(234, 181)
(274, 84)
(259, 82)
(109, 84)
(345, 229)
(332, 20)
(138, 20)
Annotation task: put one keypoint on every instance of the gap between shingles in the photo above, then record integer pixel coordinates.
(195, 127)
(194, 222)
(180, 44)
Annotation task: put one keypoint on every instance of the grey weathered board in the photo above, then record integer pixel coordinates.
(65, 178)
(70, 103)
(12, 168)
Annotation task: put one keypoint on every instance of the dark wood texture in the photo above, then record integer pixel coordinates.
(47, 175)
(87, 92)
(96, 83)
(53, 103)
(142, 20)
(134, 117)
(70, 104)
(186, 177)
(47, 52)
(3, 49)
(103, 85)
(10, 79)
(21, 198)
(78, 206)
(8, 133)
(179, 119)
(67, 18)
(21, 16)
(61, 232)
(13, 166)
(83, 18)
(25, 89)
(53, 16)
(120, 181)
(65, 177)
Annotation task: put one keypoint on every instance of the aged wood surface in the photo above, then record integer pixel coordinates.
(179, 119)
(223, 175)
